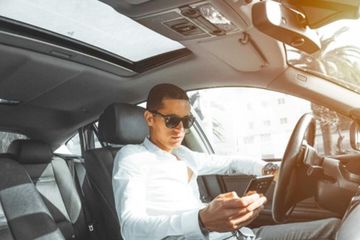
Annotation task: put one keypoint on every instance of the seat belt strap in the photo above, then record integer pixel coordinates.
(80, 175)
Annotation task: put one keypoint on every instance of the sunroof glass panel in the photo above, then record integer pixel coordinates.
(91, 22)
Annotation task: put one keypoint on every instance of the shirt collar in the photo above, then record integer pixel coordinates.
(155, 149)
(150, 146)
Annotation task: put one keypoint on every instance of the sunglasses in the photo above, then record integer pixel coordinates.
(171, 121)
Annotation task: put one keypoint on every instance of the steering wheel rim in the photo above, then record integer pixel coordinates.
(286, 185)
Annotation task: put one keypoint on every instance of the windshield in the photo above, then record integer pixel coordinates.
(339, 57)
(91, 22)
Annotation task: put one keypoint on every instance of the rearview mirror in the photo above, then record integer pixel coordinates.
(285, 24)
(355, 135)
(322, 12)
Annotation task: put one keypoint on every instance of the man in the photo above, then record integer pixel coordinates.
(156, 192)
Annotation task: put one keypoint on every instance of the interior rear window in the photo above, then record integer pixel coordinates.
(6, 138)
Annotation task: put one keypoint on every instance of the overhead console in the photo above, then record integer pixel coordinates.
(223, 28)
(205, 19)
(218, 27)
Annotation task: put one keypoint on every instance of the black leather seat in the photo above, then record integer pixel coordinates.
(54, 182)
(120, 124)
(23, 214)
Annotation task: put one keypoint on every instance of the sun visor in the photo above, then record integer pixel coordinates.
(238, 51)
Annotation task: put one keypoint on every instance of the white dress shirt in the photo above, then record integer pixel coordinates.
(153, 195)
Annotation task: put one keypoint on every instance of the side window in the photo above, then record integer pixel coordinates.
(143, 104)
(257, 122)
(97, 143)
(71, 146)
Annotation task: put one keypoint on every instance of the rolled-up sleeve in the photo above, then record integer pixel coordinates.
(129, 184)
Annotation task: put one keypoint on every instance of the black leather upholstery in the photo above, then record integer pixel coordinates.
(5, 232)
(55, 183)
(121, 124)
(26, 214)
(30, 151)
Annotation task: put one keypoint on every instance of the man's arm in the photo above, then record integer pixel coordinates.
(222, 164)
(129, 179)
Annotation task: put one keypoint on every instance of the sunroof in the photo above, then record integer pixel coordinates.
(91, 22)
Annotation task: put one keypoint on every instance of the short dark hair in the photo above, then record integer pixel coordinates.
(164, 91)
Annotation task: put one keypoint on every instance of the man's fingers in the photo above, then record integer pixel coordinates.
(250, 193)
(246, 219)
(240, 212)
(249, 216)
(260, 202)
(235, 212)
(228, 195)
(247, 200)
(241, 202)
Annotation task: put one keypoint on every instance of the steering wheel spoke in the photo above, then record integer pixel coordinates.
(312, 160)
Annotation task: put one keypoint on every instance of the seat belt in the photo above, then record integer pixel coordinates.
(79, 174)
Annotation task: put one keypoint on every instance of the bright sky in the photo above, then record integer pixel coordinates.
(351, 37)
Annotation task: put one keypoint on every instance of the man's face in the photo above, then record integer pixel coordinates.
(164, 137)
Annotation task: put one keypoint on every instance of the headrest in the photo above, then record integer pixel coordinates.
(123, 123)
(30, 151)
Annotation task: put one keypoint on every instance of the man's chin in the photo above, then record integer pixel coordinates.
(176, 142)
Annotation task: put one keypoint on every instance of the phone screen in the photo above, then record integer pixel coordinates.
(259, 184)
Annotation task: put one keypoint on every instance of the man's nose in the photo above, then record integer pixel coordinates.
(180, 126)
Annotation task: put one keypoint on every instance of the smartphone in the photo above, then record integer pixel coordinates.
(259, 184)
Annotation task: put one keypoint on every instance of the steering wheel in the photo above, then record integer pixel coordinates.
(293, 183)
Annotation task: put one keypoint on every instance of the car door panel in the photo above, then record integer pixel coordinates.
(340, 183)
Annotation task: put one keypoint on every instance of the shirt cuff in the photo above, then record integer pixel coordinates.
(190, 225)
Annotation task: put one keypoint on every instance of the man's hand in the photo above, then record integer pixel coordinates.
(228, 212)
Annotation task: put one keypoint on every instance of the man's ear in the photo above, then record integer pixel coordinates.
(149, 118)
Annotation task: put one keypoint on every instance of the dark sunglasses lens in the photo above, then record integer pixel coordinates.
(188, 122)
(172, 122)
